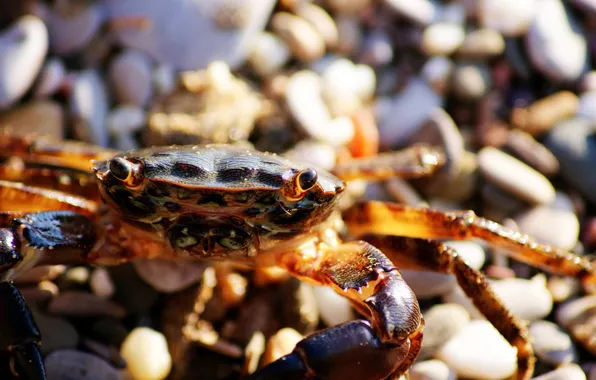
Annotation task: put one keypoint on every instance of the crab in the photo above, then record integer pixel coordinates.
(67, 202)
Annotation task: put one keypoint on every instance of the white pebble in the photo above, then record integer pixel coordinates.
(478, 351)
(303, 96)
(101, 284)
(24, 46)
(89, 105)
(587, 105)
(126, 119)
(442, 38)
(269, 53)
(50, 79)
(316, 153)
(130, 77)
(333, 308)
(421, 11)
(564, 372)
(431, 370)
(510, 17)
(146, 354)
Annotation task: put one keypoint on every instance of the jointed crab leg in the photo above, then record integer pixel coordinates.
(424, 254)
(389, 218)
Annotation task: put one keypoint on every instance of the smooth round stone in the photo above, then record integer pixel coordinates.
(441, 323)
(377, 49)
(58, 333)
(71, 30)
(526, 299)
(478, 351)
(43, 117)
(554, 30)
(431, 370)
(268, 54)
(563, 288)
(146, 354)
(573, 143)
(557, 228)
(471, 81)
(333, 308)
(587, 106)
(130, 77)
(169, 276)
(24, 46)
(421, 11)
(349, 35)
(81, 304)
(574, 310)
(78, 365)
(163, 79)
(50, 79)
(280, 344)
(126, 119)
(442, 38)
(482, 44)
(346, 86)
(551, 343)
(437, 72)
(89, 106)
(510, 17)
(514, 176)
(305, 42)
(565, 372)
(429, 284)
(101, 284)
(204, 31)
(320, 19)
(316, 153)
(414, 104)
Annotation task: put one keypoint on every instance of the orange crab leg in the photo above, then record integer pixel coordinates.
(69, 154)
(395, 219)
(414, 162)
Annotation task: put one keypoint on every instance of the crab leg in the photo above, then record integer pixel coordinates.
(414, 162)
(357, 350)
(389, 218)
(423, 254)
(69, 154)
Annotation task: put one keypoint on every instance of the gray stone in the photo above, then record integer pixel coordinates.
(78, 365)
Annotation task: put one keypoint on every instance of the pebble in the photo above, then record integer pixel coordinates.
(268, 54)
(123, 122)
(523, 145)
(545, 113)
(576, 316)
(471, 81)
(51, 78)
(101, 284)
(58, 333)
(415, 103)
(565, 372)
(169, 276)
(303, 39)
(512, 18)
(38, 116)
(349, 35)
(78, 365)
(333, 308)
(24, 46)
(526, 299)
(317, 153)
(563, 288)
(89, 107)
(587, 106)
(41, 273)
(557, 228)
(437, 72)
(320, 20)
(442, 38)
(232, 287)
(226, 29)
(82, 304)
(280, 344)
(441, 323)
(71, 30)
(483, 43)
(431, 370)
(514, 176)
(551, 343)
(146, 354)
(422, 12)
(130, 77)
(253, 352)
(572, 143)
(553, 29)
(478, 351)
(163, 79)
(429, 284)
(377, 49)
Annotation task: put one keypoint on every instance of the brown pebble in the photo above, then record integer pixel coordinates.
(280, 344)
(44, 117)
(41, 273)
(169, 276)
(535, 154)
(81, 304)
(543, 114)
(40, 293)
(320, 20)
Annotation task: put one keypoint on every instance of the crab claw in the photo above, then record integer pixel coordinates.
(351, 350)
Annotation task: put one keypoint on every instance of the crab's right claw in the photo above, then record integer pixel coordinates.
(348, 351)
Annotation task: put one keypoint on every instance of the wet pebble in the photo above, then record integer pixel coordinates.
(554, 227)
(78, 365)
(58, 333)
(431, 370)
(441, 323)
(478, 351)
(554, 28)
(169, 276)
(510, 17)
(551, 343)
(514, 176)
(24, 46)
(79, 303)
(130, 77)
(89, 107)
(146, 354)
(72, 29)
(572, 143)
(565, 372)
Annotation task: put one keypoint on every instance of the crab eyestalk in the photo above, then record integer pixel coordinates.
(300, 184)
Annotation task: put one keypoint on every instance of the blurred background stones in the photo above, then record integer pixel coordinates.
(506, 87)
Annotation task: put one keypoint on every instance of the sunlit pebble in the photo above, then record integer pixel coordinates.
(333, 308)
(268, 54)
(233, 288)
(253, 352)
(442, 38)
(101, 284)
(146, 354)
(281, 344)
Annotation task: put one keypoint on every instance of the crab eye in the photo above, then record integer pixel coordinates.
(120, 168)
(307, 179)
